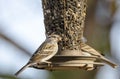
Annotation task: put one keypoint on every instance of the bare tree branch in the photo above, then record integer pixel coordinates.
(15, 44)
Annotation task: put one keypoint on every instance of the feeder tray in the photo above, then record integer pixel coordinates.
(69, 62)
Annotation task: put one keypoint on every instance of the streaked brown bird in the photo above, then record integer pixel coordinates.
(89, 51)
(45, 52)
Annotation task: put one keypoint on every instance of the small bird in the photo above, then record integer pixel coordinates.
(89, 51)
(45, 52)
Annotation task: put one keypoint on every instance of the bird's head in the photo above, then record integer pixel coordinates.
(55, 37)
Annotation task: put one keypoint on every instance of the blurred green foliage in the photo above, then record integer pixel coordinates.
(72, 74)
(7, 77)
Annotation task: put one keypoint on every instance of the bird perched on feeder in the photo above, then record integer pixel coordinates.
(45, 52)
(89, 51)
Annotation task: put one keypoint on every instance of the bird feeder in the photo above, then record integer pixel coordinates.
(66, 18)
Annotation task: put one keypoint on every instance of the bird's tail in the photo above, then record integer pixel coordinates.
(108, 62)
(22, 69)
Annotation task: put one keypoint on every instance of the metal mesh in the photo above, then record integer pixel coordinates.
(65, 18)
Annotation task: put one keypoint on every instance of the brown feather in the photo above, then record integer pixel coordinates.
(92, 51)
(46, 51)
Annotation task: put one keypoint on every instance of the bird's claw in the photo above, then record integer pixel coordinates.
(48, 62)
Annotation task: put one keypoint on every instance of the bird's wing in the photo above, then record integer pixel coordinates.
(87, 48)
(43, 51)
(41, 47)
(47, 48)
(92, 51)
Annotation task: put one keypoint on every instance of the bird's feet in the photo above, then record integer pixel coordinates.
(49, 63)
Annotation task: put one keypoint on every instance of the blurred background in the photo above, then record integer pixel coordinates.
(22, 31)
